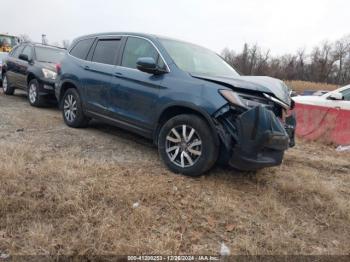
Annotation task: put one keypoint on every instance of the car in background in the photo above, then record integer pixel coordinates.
(307, 93)
(339, 98)
(320, 92)
(3, 56)
(186, 98)
(32, 67)
(7, 42)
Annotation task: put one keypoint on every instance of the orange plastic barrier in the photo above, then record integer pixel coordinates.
(323, 123)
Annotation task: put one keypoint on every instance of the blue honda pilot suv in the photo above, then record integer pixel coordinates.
(187, 99)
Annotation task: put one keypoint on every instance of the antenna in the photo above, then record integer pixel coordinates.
(44, 39)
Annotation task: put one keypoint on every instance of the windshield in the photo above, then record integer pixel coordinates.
(198, 60)
(50, 55)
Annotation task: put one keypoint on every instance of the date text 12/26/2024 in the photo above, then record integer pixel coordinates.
(173, 258)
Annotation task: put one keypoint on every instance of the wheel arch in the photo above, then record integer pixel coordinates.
(178, 109)
(30, 77)
(64, 87)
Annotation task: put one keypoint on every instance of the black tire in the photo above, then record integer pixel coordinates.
(6, 86)
(208, 150)
(79, 119)
(33, 94)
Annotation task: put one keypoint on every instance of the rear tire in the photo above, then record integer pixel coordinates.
(72, 109)
(186, 145)
(6, 86)
(33, 94)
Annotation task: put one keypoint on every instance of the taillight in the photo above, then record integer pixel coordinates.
(58, 68)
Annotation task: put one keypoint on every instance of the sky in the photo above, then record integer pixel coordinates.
(281, 26)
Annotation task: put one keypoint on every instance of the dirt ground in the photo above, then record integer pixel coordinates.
(101, 190)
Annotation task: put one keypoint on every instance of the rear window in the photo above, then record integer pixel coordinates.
(106, 51)
(50, 55)
(81, 49)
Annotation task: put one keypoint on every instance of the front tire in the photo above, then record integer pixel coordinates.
(6, 86)
(186, 145)
(33, 94)
(73, 113)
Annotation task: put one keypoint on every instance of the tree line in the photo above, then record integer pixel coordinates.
(44, 40)
(328, 62)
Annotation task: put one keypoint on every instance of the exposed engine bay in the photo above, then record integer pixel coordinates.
(255, 130)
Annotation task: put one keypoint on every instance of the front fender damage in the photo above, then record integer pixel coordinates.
(254, 138)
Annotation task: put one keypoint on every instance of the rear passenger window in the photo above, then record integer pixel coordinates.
(106, 51)
(81, 49)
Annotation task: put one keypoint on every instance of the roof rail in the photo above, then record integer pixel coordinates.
(37, 43)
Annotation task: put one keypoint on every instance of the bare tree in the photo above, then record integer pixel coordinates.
(24, 38)
(65, 43)
(300, 65)
(341, 50)
(327, 62)
(262, 63)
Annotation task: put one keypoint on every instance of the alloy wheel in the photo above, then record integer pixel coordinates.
(70, 108)
(183, 146)
(32, 93)
(4, 84)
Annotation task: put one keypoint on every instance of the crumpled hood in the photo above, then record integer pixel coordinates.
(262, 84)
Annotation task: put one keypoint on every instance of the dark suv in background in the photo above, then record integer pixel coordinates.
(186, 98)
(33, 68)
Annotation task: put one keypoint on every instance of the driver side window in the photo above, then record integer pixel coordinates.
(136, 48)
(28, 51)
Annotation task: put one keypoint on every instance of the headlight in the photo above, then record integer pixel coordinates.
(49, 74)
(277, 101)
(232, 97)
(240, 100)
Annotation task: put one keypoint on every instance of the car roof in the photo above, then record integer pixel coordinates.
(343, 88)
(144, 35)
(336, 90)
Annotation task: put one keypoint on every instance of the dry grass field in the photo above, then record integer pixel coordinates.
(300, 86)
(70, 191)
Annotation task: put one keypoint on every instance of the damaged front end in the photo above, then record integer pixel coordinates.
(254, 134)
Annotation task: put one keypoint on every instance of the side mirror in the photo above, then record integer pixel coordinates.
(148, 65)
(24, 57)
(336, 96)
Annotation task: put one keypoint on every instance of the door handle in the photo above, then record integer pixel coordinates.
(118, 74)
(86, 67)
